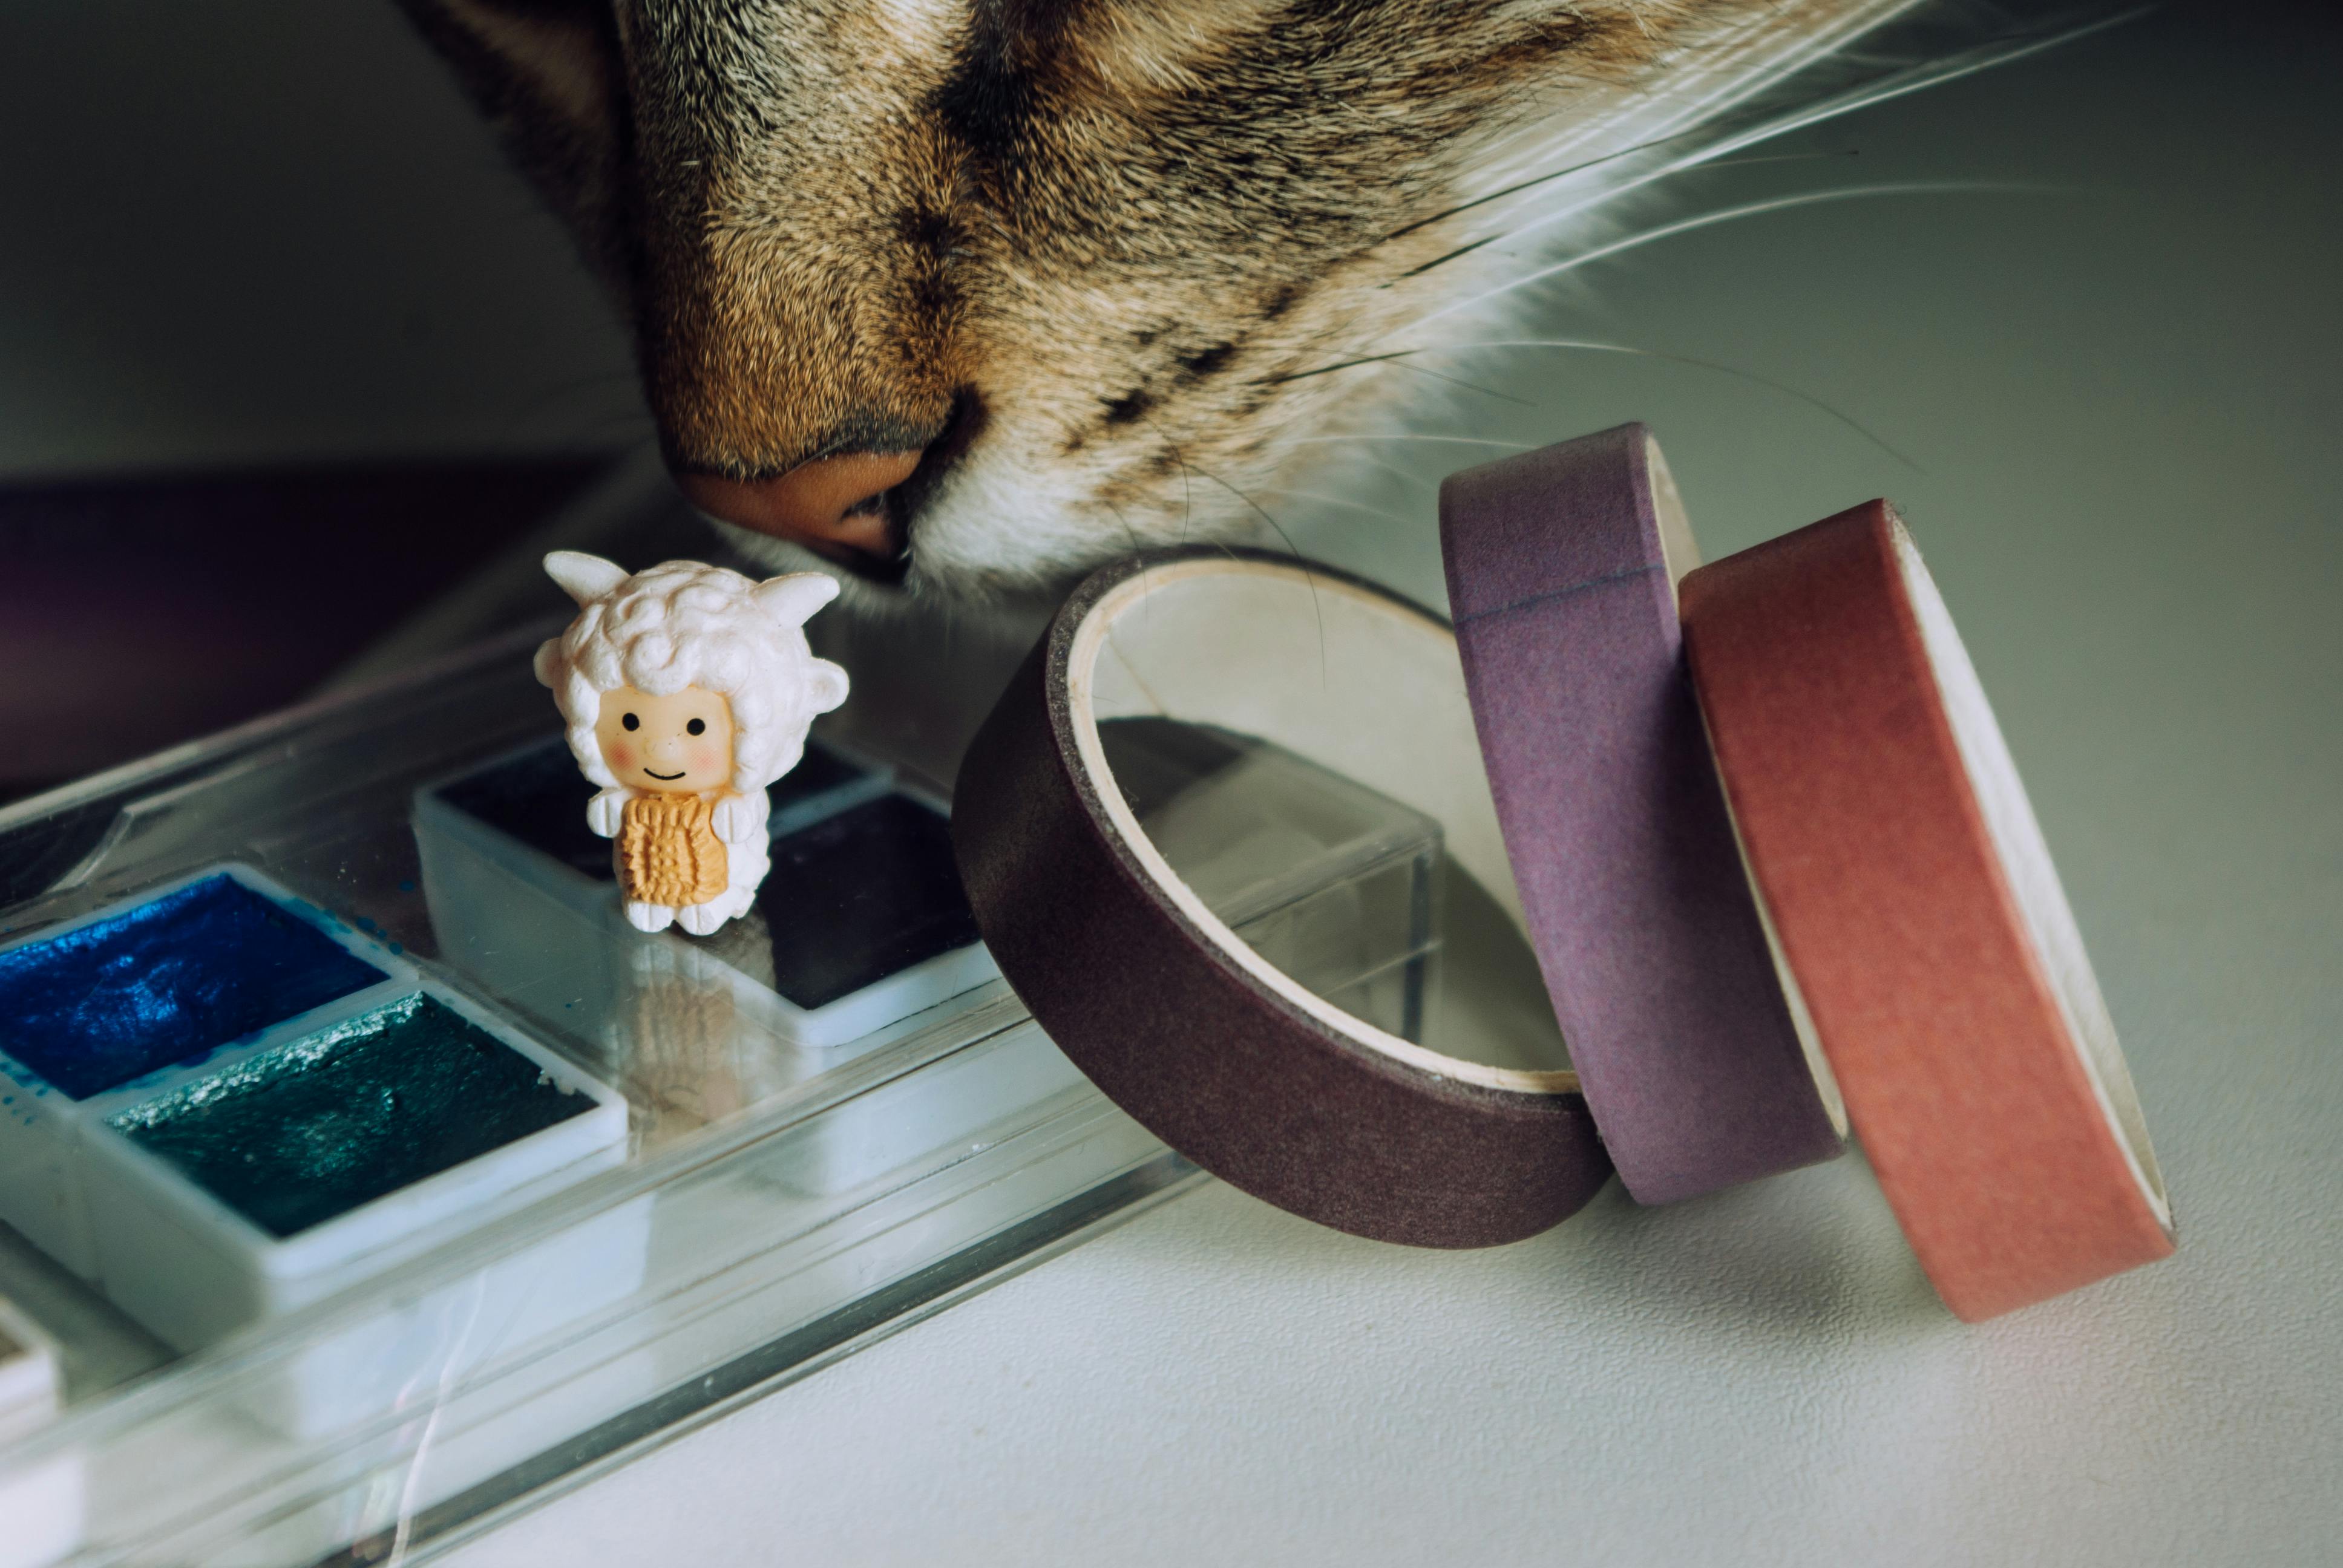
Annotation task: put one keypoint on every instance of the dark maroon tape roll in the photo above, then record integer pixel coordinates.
(1165, 1022)
(1638, 903)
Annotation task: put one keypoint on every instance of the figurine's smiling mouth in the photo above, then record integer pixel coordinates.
(668, 777)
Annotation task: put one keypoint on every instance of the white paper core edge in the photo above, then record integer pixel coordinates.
(1680, 553)
(2033, 879)
(1420, 769)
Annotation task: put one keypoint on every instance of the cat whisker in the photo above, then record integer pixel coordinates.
(1749, 376)
(1397, 356)
(1396, 363)
(1128, 531)
(1395, 471)
(1344, 502)
(1186, 502)
(1702, 165)
(1462, 250)
(1187, 495)
(1933, 73)
(1399, 475)
(1707, 164)
(1869, 95)
(1884, 91)
(1518, 186)
(1730, 215)
(1291, 548)
(1371, 436)
(1330, 369)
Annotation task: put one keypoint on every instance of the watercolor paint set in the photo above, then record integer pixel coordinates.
(225, 1104)
(373, 1176)
(287, 1174)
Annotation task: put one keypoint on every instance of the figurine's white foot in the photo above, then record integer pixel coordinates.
(701, 920)
(646, 917)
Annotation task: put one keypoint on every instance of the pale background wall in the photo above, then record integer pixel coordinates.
(252, 231)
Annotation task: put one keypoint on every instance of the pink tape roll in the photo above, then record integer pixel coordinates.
(1919, 907)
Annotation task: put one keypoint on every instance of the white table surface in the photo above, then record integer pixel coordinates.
(2118, 399)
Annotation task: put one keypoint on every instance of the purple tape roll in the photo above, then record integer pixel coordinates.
(1562, 567)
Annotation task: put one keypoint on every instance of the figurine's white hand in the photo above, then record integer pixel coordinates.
(740, 818)
(606, 811)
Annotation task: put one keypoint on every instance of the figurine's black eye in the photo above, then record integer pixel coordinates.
(629, 722)
(696, 727)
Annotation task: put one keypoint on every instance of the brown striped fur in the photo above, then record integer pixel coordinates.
(1080, 245)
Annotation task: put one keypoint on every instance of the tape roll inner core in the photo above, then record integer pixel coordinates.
(1344, 677)
(2033, 885)
(1680, 553)
(1679, 549)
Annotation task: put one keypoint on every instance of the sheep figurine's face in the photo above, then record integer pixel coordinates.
(687, 679)
(679, 744)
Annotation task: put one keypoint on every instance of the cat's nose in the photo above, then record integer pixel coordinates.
(832, 505)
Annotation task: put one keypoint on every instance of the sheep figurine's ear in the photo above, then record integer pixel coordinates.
(793, 599)
(824, 685)
(583, 577)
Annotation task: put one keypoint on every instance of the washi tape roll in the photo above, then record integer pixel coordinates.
(1917, 902)
(1174, 1016)
(1562, 570)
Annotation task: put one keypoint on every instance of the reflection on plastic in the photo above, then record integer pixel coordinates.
(860, 924)
(1333, 883)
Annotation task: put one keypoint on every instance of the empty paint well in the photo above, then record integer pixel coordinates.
(863, 885)
(310, 1131)
(851, 902)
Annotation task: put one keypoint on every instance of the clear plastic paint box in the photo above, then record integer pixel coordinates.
(859, 924)
(41, 1503)
(692, 1168)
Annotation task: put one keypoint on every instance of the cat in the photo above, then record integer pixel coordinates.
(969, 296)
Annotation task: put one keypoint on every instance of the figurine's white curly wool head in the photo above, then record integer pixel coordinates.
(685, 623)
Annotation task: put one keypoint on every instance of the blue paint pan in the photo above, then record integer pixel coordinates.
(169, 981)
(125, 1000)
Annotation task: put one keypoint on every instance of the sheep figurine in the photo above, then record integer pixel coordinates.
(687, 688)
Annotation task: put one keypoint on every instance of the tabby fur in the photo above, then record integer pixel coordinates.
(1092, 250)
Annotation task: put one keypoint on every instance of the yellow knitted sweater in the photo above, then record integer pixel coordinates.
(668, 852)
